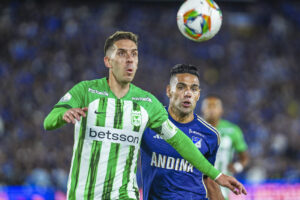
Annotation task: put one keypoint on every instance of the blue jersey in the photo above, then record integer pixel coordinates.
(165, 174)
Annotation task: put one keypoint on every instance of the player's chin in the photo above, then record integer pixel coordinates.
(130, 75)
(187, 107)
(128, 79)
(186, 110)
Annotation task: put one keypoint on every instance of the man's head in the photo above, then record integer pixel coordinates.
(212, 108)
(184, 89)
(121, 55)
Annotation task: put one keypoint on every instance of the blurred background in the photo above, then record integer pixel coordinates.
(48, 46)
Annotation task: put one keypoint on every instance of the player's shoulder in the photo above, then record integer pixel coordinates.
(95, 82)
(96, 86)
(228, 124)
(91, 83)
(208, 128)
(140, 95)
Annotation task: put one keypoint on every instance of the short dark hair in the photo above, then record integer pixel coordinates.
(119, 35)
(184, 68)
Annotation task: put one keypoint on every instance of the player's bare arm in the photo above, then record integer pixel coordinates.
(231, 183)
(74, 114)
(240, 164)
(213, 189)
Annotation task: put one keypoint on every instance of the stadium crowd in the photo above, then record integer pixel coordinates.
(253, 64)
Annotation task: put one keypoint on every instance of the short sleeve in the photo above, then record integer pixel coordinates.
(74, 98)
(238, 140)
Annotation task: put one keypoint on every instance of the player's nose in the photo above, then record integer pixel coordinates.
(129, 58)
(188, 93)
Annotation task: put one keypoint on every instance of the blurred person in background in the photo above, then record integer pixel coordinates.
(110, 116)
(232, 139)
(164, 173)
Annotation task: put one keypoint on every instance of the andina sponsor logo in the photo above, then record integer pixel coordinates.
(168, 162)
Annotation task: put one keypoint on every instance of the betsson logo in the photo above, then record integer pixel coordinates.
(113, 135)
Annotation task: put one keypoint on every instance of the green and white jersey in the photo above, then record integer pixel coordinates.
(231, 140)
(107, 141)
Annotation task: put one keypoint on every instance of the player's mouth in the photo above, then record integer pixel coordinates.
(129, 70)
(186, 104)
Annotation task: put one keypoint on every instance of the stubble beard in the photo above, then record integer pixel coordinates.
(181, 111)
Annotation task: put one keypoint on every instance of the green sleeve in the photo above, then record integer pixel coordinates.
(186, 148)
(54, 119)
(157, 114)
(74, 98)
(238, 140)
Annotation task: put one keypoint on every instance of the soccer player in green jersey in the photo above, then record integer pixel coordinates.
(232, 139)
(110, 116)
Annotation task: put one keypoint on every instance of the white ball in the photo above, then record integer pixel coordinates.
(199, 20)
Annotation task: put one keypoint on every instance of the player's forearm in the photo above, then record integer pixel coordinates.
(239, 165)
(188, 151)
(54, 119)
(213, 189)
(244, 158)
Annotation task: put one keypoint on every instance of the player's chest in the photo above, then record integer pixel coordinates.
(226, 142)
(157, 144)
(117, 113)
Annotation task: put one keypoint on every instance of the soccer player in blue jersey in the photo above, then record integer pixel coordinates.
(165, 174)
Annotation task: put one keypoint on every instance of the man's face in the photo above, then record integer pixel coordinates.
(212, 109)
(122, 60)
(183, 92)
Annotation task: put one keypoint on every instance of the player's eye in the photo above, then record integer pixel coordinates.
(195, 89)
(134, 54)
(180, 87)
(121, 53)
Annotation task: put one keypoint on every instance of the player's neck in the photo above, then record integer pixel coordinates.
(119, 89)
(180, 117)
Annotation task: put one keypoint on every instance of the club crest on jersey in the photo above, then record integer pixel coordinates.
(136, 118)
(66, 97)
(197, 141)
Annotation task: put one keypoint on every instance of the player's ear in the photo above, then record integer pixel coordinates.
(168, 90)
(106, 62)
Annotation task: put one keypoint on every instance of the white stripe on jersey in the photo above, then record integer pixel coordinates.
(145, 119)
(84, 169)
(102, 168)
(86, 151)
(76, 139)
(132, 176)
(123, 152)
(203, 183)
(119, 172)
(105, 149)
